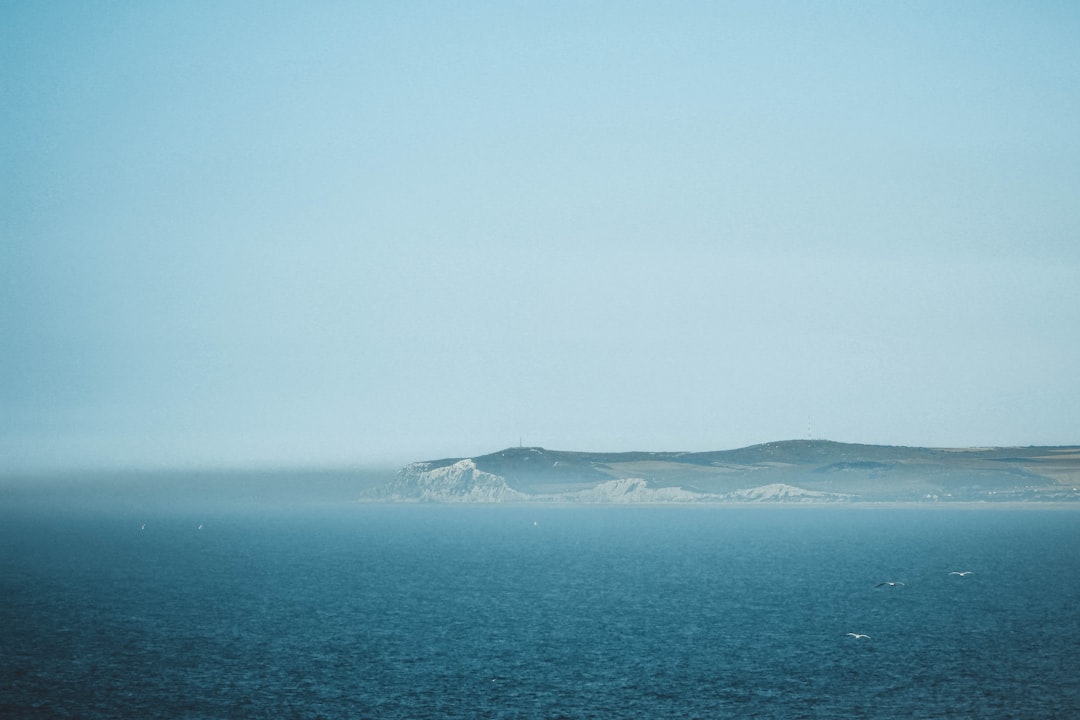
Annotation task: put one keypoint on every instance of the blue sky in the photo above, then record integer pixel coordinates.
(356, 233)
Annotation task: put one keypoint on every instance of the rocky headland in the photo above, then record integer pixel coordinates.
(791, 471)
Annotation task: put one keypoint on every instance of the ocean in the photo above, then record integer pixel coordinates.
(348, 610)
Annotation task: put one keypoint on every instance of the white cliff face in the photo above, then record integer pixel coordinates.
(779, 492)
(627, 491)
(463, 482)
(459, 482)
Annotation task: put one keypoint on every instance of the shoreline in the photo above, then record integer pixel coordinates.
(865, 505)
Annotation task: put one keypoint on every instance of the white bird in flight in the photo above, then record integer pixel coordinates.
(890, 583)
(962, 573)
(859, 636)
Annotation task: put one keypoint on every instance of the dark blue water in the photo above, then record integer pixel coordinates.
(497, 612)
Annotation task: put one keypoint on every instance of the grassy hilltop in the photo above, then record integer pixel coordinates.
(817, 469)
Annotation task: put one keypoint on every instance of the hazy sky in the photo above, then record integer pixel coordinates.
(375, 232)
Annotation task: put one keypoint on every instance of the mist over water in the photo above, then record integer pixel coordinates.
(246, 604)
(144, 494)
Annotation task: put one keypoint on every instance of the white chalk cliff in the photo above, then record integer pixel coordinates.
(463, 482)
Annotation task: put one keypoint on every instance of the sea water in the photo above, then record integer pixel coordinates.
(393, 611)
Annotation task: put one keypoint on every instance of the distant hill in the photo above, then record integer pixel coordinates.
(785, 471)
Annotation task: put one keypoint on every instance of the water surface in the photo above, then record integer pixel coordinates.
(388, 611)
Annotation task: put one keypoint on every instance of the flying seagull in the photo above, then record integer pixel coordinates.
(963, 573)
(890, 583)
(859, 636)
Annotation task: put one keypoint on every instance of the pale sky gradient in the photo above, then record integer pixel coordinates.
(376, 232)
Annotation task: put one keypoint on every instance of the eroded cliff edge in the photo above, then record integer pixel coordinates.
(793, 471)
